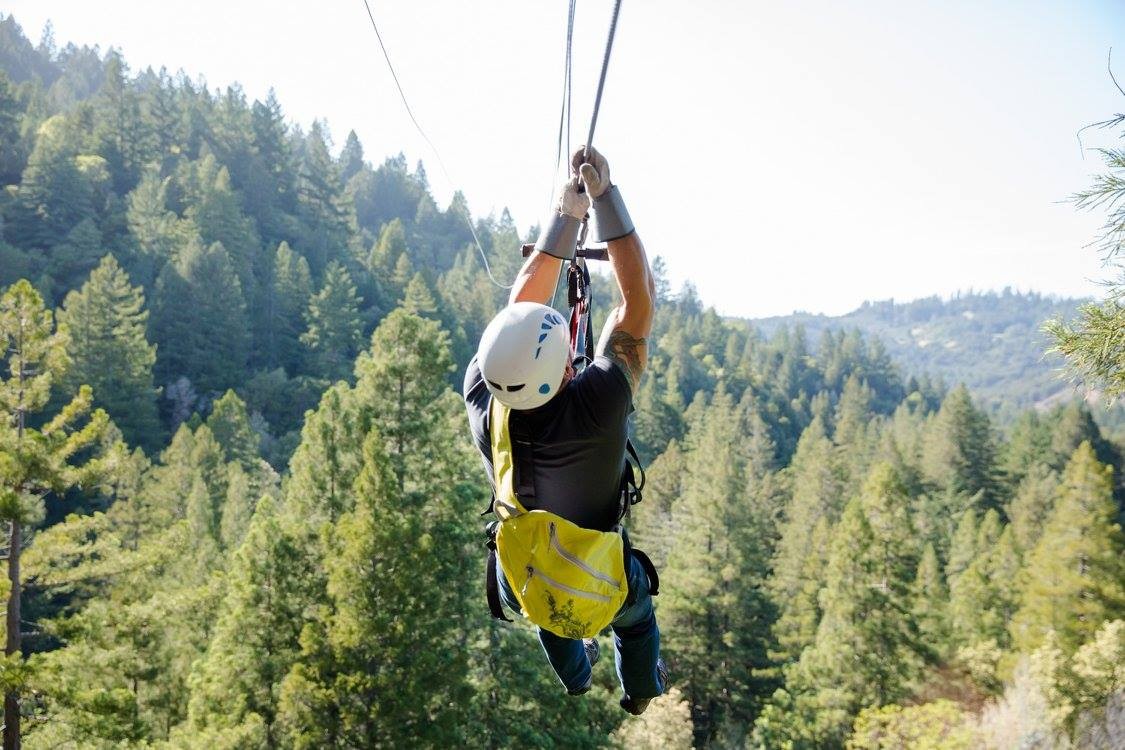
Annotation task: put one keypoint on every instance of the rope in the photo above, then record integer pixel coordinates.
(437, 154)
(564, 109)
(601, 80)
(564, 115)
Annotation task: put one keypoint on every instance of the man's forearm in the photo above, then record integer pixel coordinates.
(536, 280)
(634, 279)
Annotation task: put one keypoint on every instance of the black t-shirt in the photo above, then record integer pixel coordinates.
(578, 442)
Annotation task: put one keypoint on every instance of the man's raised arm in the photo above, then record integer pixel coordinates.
(626, 329)
(540, 273)
(536, 280)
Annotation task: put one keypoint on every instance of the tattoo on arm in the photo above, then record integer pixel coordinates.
(626, 350)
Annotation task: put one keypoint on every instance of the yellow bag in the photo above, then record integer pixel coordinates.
(567, 579)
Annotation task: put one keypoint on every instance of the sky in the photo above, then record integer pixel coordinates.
(806, 155)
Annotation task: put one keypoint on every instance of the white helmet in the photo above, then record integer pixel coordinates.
(523, 354)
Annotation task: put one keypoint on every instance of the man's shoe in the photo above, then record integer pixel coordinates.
(636, 707)
(593, 650)
(593, 653)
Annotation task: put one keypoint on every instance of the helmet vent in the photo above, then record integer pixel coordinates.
(514, 388)
(496, 386)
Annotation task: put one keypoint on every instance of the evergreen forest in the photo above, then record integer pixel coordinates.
(241, 508)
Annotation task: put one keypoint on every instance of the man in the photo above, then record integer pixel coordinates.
(573, 426)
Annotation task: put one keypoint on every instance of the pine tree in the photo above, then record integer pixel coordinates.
(1072, 425)
(1075, 575)
(867, 650)
(200, 320)
(409, 504)
(216, 214)
(402, 386)
(37, 462)
(852, 415)
(238, 508)
(288, 296)
(1028, 446)
(122, 135)
(817, 486)
(1032, 505)
(959, 449)
(270, 193)
(418, 299)
(202, 526)
(156, 234)
(72, 260)
(351, 157)
(714, 610)
(109, 351)
(325, 213)
(982, 595)
(326, 462)
(12, 154)
(963, 549)
(335, 327)
(230, 424)
(1092, 343)
(390, 675)
(650, 524)
(53, 195)
(930, 601)
(257, 634)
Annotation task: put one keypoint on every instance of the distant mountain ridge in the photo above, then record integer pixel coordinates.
(990, 341)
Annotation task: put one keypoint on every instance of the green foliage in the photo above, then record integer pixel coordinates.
(72, 450)
(867, 650)
(817, 488)
(959, 451)
(1079, 688)
(1076, 572)
(389, 629)
(837, 542)
(941, 725)
(713, 610)
(334, 326)
(1093, 344)
(200, 319)
(289, 292)
(256, 639)
(930, 595)
(109, 351)
(990, 341)
(666, 726)
(230, 424)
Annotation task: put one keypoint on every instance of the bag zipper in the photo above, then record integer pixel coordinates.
(571, 558)
(532, 573)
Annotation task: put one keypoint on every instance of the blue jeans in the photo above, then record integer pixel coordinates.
(636, 641)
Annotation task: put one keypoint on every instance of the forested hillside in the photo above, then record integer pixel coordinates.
(236, 463)
(992, 342)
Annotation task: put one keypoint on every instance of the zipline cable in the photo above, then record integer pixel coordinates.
(564, 108)
(601, 80)
(437, 154)
(564, 116)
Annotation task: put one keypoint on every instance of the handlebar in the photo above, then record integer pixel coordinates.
(589, 253)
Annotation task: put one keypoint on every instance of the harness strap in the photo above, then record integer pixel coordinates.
(650, 570)
(523, 455)
(631, 490)
(491, 585)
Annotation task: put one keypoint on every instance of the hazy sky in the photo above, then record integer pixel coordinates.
(783, 156)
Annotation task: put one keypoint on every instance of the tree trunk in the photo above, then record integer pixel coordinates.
(11, 700)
